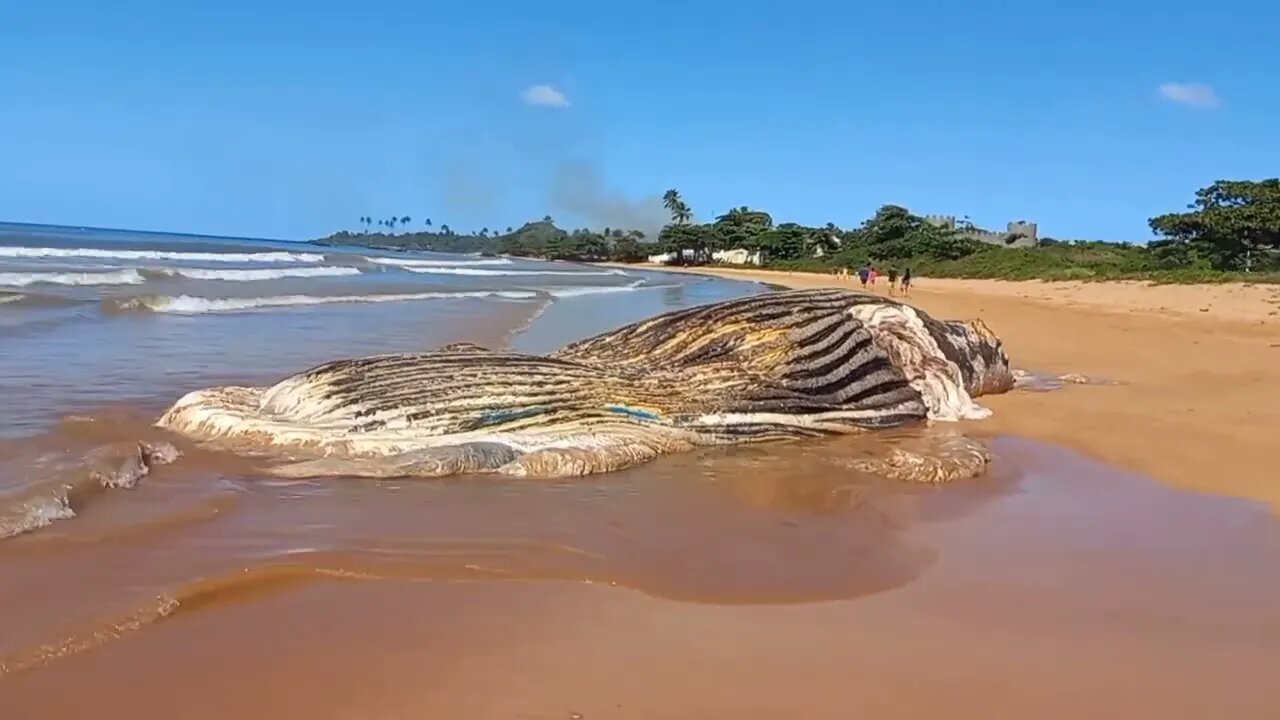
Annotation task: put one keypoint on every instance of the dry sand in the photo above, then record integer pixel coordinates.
(1197, 370)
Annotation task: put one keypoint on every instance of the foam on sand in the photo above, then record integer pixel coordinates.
(116, 277)
(270, 257)
(192, 305)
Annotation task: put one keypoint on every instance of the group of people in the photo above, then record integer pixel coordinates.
(868, 273)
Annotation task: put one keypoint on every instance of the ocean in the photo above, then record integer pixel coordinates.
(136, 318)
(728, 582)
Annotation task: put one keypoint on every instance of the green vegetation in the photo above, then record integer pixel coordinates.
(1230, 232)
(539, 239)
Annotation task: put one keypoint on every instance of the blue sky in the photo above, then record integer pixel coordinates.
(291, 119)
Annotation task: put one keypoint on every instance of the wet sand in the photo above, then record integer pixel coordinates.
(1196, 371)
(1054, 588)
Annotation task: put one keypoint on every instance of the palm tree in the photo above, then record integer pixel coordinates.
(510, 230)
(484, 232)
(406, 220)
(428, 222)
(671, 200)
(680, 213)
(547, 219)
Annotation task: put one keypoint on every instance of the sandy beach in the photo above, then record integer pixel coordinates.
(1196, 370)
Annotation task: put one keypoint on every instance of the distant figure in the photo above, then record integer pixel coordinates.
(893, 280)
(906, 282)
(872, 277)
(863, 273)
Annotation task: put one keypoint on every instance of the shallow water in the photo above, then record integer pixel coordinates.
(755, 581)
(68, 346)
(727, 584)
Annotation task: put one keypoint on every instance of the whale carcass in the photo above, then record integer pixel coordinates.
(774, 366)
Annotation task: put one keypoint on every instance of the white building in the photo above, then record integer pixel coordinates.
(739, 256)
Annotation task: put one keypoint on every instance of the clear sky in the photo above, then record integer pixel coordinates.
(291, 119)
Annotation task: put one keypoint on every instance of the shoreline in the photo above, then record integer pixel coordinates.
(1190, 369)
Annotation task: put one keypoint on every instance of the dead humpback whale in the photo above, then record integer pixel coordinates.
(776, 366)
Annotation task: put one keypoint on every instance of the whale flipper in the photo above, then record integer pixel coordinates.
(474, 457)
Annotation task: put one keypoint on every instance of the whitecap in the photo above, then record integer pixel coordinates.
(47, 252)
(412, 262)
(257, 274)
(190, 305)
(488, 273)
(117, 277)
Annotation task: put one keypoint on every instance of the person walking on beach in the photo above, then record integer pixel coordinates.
(893, 280)
(906, 282)
(871, 277)
(863, 273)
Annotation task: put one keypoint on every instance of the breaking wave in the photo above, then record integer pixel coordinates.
(35, 511)
(30, 299)
(191, 305)
(46, 252)
(72, 481)
(409, 262)
(486, 272)
(251, 275)
(600, 289)
(116, 277)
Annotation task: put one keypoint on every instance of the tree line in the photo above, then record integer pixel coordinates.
(1232, 226)
(535, 239)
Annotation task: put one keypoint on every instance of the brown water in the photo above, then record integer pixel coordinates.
(765, 581)
(739, 583)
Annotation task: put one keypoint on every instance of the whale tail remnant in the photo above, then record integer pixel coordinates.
(779, 366)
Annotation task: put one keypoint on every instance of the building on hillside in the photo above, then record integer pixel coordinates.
(739, 256)
(1018, 233)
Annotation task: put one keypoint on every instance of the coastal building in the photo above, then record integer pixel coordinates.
(738, 256)
(1018, 233)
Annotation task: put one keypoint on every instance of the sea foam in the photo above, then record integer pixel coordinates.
(116, 277)
(411, 262)
(191, 305)
(568, 292)
(47, 252)
(256, 274)
(488, 273)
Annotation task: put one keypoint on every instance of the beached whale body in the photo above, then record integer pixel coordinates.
(786, 365)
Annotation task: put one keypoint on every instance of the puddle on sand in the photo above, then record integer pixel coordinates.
(1055, 588)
